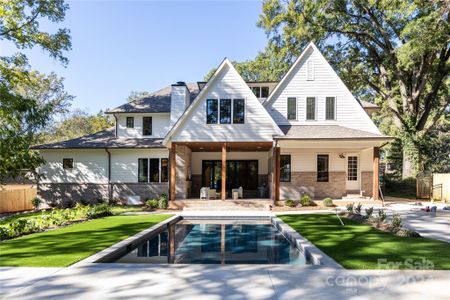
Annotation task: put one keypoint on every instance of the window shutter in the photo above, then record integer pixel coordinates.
(310, 70)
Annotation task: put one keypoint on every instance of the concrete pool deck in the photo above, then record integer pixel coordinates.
(124, 281)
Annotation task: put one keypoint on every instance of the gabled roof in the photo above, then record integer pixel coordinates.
(226, 62)
(156, 102)
(103, 139)
(329, 132)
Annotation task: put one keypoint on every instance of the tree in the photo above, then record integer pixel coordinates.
(136, 95)
(28, 99)
(397, 50)
(76, 124)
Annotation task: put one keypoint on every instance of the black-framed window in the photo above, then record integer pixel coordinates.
(143, 170)
(154, 170)
(130, 122)
(264, 91)
(322, 168)
(330, 107)
(285, 168)
(164, 169)
(67, 163)
(257, 91)
(225, 111)
(310, 108)
(147, 126)
(212, 111)
(238, 111)
(292, 108)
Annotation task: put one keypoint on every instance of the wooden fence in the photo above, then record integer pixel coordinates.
(16, 197)
(441, 186)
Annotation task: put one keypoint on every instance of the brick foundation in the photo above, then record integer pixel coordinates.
(306, 183)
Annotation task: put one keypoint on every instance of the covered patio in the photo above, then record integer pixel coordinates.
(198, 165)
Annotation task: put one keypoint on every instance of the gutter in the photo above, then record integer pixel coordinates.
(109, 175)
(335, 139)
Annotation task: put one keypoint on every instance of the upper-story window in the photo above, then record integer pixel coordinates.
(130, 122)
(147, 126)
(261, 91)
(310, 108)
(238, 111)
(292, 108)
(225, 111)
(330, 108)
(67, 163)
(212, 111)
(310, 70)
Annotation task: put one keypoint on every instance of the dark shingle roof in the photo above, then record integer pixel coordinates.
(103, 139)
(308, 132)
(156, 102)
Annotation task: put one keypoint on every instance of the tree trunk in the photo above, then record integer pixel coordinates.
(408, 169)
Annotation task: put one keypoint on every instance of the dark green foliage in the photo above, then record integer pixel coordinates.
(350, 207)
(36, 202)
(98, 211)
(162, 201)
(369, 212)
(400, 188)
(152, 203)
(357, 209)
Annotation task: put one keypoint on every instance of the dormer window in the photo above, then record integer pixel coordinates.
(130, 122)
(261, 91)
(147, 126)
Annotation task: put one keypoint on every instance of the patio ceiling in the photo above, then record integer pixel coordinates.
(231, 146)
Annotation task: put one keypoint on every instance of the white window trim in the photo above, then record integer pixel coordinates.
(296, 109)
(146, 135)
(335, 108)
(232, 111)
(315, 109)
(310, 74)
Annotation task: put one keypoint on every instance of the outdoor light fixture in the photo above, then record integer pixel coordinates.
(341, 155)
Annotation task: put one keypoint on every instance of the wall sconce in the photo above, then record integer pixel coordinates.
(341, 155)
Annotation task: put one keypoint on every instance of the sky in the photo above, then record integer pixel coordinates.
(124, 46)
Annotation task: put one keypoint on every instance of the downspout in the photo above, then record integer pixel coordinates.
(109, 175)
(115, 133)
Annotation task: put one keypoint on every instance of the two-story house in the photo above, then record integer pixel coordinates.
(306, 134)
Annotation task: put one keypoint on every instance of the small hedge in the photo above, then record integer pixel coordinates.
(305, 200)
(57, 217)
(290, 203)
(327, 202)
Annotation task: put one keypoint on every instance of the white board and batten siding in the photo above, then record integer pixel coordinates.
(228, 84)
(160, 125)
(89, 166)
(312, 76)
(124, 162)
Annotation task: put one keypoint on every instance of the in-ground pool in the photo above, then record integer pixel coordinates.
(214, 242)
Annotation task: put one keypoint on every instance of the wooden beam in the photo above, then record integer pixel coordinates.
(224, 171)
(375, 180)
(173, 162)
(277, 175)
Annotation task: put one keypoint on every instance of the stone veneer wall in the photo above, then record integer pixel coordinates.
(183, 169)
(306, 183)
(62, 192)
(367, 183)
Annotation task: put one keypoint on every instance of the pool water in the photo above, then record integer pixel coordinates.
(216, 242)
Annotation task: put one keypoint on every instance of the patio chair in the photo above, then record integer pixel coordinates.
(241, 192)
(212, 194)
(204, 193)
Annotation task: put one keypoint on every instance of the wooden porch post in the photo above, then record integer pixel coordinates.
(375, 185)
(224, 171)
(277, 173)
(274, 168)
(173, 162)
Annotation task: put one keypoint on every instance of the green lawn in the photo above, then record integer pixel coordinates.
(359, 246)
(65, 246)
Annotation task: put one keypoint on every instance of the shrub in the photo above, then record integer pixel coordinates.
(328, 202)
(396, 222)
(36, 202)
(407, 233)
(381, 215)
(350, 207)
(98, 211)
(369, 212)
(152, 203)
(162, 201)
(5, 233)
(290, 203)
(358, 209)
(305, 200)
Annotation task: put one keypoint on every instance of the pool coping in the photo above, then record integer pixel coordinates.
(313, 254)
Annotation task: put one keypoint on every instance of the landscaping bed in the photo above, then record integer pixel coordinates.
(64, 246)
(360, 246)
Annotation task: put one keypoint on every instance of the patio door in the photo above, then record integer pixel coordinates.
(353, 174)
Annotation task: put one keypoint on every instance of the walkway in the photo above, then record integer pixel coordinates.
(103, 281)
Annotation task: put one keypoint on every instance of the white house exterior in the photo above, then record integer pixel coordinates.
(306, 134)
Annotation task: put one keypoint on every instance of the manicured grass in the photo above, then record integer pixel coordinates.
(65, 246)
(116, 210)
(359, 246)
